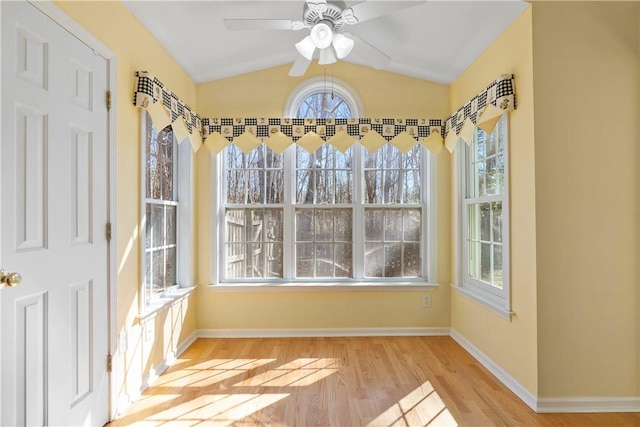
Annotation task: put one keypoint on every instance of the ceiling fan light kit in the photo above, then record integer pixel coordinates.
(325, 18)
(322, 34)
(306, 47)
(327, 56)
(342, 45)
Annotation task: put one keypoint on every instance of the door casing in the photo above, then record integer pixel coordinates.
(57, 15)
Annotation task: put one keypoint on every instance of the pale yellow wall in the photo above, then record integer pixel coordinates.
(512, 345)
(586, 148)
(264, 94)
(136, 49)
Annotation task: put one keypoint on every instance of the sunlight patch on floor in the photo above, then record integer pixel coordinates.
(298, 373)
(222, 409)
(421, 404)
(210, 372)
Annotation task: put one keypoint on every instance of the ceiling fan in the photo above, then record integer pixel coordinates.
(326, 18)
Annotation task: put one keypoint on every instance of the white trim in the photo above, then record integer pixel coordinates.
(540, 405)
(182, 347)
(1, 205)
(165, 301)
(548, 405)
(315, 287)
(323, 332)
(317, 85)
(48, 8)
(184, 188)
(127, 399)
(493, 306)
(142, 210)
(185, 212)
(428, 246)
(431, 229)
(113, 244)
(216, 245)
(503, 376)
(496, 300)
(58, 15)
(457, 190)
(153, 375)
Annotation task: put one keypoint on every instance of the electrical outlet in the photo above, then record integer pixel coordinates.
(148, 331)
(426, 301)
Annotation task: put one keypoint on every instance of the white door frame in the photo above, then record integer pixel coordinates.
(57, 15)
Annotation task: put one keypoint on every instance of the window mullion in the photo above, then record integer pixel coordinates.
(288, 250)
(428, 247)
(358, 252)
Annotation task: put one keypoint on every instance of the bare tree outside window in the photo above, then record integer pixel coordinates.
(485, 171)
(161, 205)
(308, 201)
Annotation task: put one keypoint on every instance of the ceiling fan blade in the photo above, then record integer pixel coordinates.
(263, 24)
(371, 55)
(367, 10)
(299, 67)
(319, 6)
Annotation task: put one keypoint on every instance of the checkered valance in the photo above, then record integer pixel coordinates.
(483, 111)
(310, 134)
(166, 108)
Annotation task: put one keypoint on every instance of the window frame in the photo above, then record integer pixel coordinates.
(429, 237)
(427, 281)
(183, 190)
(320, 85)
(428, 234)
(495, 299)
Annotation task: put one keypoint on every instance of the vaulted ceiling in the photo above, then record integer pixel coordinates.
(431, 40)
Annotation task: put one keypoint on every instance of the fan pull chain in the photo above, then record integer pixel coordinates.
(324, 94)
(332, 95)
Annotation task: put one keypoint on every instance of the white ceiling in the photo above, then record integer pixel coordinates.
(433, 40)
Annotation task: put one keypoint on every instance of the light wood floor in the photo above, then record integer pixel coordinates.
(399, 381)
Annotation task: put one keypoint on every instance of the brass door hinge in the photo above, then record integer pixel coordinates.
(108, 100)
(108, 231)
(109, 363)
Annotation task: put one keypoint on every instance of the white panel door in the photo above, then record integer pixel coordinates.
(53, 214)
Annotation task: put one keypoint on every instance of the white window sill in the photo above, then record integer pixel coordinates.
(331, 287)
(161, 303)
(494, 306)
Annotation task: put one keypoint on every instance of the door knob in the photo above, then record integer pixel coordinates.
(8, 279)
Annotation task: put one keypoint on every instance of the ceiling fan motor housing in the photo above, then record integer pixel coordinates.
(333, 14)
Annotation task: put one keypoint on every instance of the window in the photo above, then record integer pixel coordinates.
(319, 98)
(324, 216)
(164, 235)
(485, 212)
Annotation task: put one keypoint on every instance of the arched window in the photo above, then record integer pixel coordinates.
(322, 98)
(349, 217)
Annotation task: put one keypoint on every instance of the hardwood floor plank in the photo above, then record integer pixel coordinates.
(377, 381)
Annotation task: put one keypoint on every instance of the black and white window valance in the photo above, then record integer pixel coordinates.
(482, 111)
(310, 134)
(166, 108)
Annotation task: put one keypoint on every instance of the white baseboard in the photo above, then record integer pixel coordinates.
(322, 332)
(153, 375)
(588, 404)
(540, 405)
(126, 399)
(549, 404)
(518, 389)
(186, 343)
